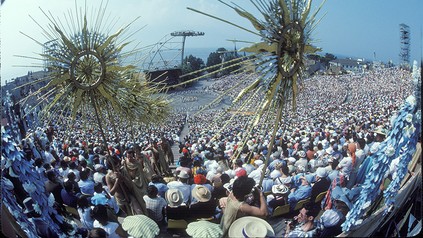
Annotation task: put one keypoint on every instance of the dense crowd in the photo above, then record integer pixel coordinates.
(221, 173)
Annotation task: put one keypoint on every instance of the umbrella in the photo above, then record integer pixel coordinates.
(204, 229)
(140, 226)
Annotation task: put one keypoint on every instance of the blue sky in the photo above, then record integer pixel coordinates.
(356, 28)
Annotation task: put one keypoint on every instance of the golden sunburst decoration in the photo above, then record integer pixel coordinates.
(285, 28)
(88, 74)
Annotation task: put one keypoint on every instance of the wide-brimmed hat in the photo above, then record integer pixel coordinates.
(280, 189)
(330, 218)
(380, 130)
(250, 226)
(201, 193)
(321, 172)
(139, 226)
(174, 197)
(183, 174)
(201, 229)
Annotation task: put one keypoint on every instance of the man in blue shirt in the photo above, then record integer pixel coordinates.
(302, 192)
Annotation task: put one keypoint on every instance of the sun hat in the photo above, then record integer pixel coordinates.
(250, 226)
(258, 162)
(321, 172)
(201, 193)
(275, 174)
(330, 218)
(174, 197)
(292, 159)
(183, 174)
(202, 229)
(139, 226)
(280, 189)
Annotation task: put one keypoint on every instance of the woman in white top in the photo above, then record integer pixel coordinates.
(84, 211)
(113, 229)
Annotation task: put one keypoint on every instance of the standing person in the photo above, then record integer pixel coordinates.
(132, 170)
(168, 150)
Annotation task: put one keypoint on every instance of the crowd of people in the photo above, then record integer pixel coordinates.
(224, 170)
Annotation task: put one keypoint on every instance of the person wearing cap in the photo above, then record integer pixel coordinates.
(204, 205)
(302, 192)
(303, 224)
(243, 193)
(330, 223)
(279, 196)
(100, 172)
(302, 161)
(182, 185)
(322, 183)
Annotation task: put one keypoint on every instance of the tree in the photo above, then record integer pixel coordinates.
(218, 59)
(190, 65)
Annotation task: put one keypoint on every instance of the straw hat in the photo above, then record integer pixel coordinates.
(201, 193)
(201, 229)
(280, 189)
(174, 197)
(250, 226)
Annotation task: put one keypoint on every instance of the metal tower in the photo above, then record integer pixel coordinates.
(184, 34)
(405, 45)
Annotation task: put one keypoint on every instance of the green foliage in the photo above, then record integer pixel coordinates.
(218, 59)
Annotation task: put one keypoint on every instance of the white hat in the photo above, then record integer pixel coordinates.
(329, 150)
(201, 193)
(183, 174)
(321, 172)
(258, 162)
(250, 226)
(174, 197)
(97, 167)
(330, 218)
(301, 154)
(275, 174)
(292, 159)
(280, 189)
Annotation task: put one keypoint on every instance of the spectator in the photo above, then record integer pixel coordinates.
(304, 224)
(113, 229)
(204, 205)
(155, 204)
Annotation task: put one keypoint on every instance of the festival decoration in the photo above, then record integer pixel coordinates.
(88, 75)
(285, 30)
(401, 142)
(16, 166)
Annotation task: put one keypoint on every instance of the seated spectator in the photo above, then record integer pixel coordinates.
(100, 172)
(200, 179)
(68, 196)
(279, 196)
(160, 184)
(322, 183)
(71, 178)
(330, 223)
(303, 224)
(176, 208)
(84, 211)
(113, 229)
(204, 205)
(85, 183)
(238, 205)
(302, 192)
(53, 186)
(182, 185)
(103, 197)
(155, 204)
